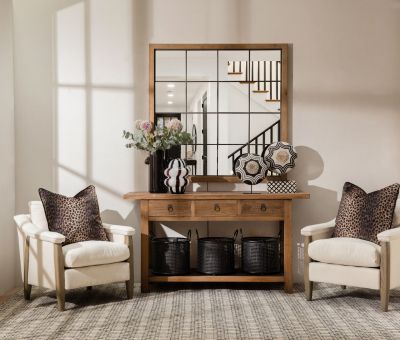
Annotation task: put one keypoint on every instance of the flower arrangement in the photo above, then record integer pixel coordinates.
(149, 138)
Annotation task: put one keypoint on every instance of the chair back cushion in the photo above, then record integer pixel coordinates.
(396, 215)
(38, 217)
(77, 218)
(346, 251)
(363, 215)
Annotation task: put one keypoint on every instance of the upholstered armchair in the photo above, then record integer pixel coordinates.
(45, 262)
(352, 262)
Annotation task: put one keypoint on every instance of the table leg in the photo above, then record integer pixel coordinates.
(281, 238)
(144, 229)
(287, 246)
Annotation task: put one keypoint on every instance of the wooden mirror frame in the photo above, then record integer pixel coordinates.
(284, 89)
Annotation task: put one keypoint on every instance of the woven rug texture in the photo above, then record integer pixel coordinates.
(201, 313)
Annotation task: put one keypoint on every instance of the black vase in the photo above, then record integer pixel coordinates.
(158, 163)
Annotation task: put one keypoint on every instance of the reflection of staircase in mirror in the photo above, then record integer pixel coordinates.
(266, 75)
(258, 143)
(236, 67)
(249, 68)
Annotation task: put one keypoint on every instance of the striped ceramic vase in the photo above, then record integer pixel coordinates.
(176, 176)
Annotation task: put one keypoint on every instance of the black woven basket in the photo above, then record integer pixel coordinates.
(170, 255)
(215, 255)
(260, 255)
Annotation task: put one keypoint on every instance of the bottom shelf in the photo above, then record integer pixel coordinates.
(197, 277)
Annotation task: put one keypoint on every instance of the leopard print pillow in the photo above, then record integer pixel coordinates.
(363, 215)
(77, 218)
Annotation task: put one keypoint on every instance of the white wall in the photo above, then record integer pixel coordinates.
(8, 261)
(344, 93)
(75, 93)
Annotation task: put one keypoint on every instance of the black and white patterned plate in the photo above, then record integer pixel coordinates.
(251, 169)
(281, 156)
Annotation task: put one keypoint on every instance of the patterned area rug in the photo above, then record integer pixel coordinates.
(202, 313)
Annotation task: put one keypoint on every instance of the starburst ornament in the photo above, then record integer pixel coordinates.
(281, 157)
(251, 169)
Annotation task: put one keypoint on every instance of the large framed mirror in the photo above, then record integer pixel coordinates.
(231, 98)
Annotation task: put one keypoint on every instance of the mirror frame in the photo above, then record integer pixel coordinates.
(284, 90)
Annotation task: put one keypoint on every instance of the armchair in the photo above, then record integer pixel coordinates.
(353, 262)
(45, 262)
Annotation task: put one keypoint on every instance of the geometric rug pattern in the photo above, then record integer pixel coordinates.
(202, 313)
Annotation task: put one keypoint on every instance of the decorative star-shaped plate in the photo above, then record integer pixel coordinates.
(251, 169)
(281, 156)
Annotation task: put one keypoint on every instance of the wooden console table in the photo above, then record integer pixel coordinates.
(217, 206)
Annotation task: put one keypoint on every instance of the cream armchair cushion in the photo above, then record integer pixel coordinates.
(92, 253)
(346, 251)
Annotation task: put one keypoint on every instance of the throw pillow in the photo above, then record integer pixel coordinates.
(363, 215)
(77, 218)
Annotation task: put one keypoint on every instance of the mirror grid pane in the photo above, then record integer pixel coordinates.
(228, 100)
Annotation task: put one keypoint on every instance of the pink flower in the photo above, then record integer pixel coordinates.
(146, 126)
(174, 124)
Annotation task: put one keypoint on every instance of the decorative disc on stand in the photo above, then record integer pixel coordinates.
(251, 169)
(281, 156)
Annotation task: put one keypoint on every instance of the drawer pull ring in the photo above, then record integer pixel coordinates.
(216, 207)
(170, 208)
(263, 207)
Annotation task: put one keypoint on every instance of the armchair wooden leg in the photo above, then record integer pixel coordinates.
(129, 289)
(308, 285)
(129, 283)
(61, 299)
(27, 286)
(308, 288)
(27, 291)
(60, 278)
(385, 275)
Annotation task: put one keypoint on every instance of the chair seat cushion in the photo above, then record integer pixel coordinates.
(92, 253)
(346, 251)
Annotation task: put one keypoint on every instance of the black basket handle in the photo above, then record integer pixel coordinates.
(197, 233)
(241, 233)
(235, 235)
(189, 235)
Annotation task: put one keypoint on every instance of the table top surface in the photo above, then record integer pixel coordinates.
(220, 195)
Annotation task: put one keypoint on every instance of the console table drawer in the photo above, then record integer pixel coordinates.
(169, 208)
(261, 207)
(215, 208)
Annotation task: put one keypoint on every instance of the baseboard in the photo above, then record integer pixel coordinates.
(5, 296)
(137, 287)
(11, 292)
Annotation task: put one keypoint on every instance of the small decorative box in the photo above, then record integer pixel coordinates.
(281, 187)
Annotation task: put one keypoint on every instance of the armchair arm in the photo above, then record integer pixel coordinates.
(118, 229)
(28, 228)
(389, 235)
(322, 230)
(390, 255)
